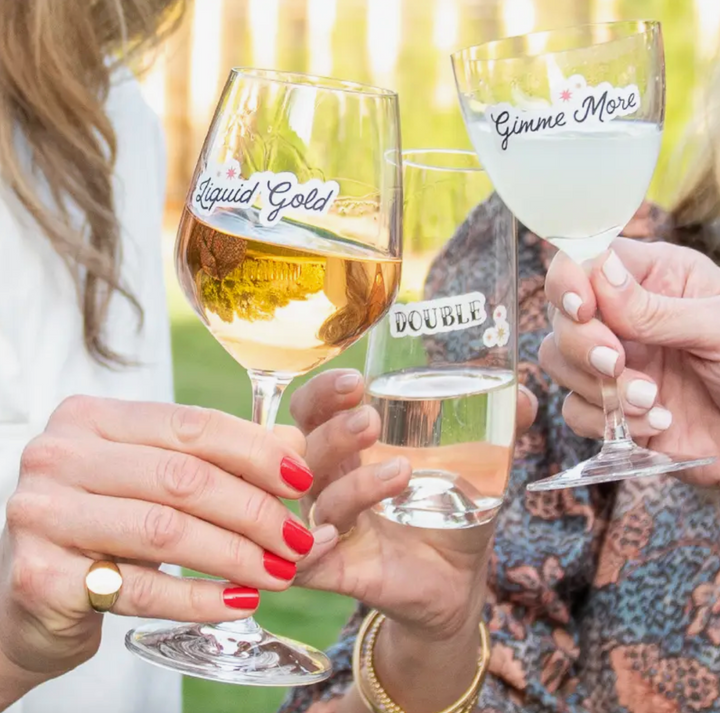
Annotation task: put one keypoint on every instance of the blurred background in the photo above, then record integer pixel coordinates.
(400, 44)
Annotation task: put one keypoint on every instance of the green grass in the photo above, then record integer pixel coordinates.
(206, 375)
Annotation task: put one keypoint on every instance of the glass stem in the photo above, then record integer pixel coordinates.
(267, 392)
(617, 433)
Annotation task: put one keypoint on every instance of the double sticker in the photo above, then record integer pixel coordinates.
(449, 314)
(575, 104)
(279, 194)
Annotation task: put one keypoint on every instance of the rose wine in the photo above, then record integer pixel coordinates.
(578, 188)
(457, 428)
(284, 306)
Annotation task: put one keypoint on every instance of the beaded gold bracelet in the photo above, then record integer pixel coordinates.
(371, 691)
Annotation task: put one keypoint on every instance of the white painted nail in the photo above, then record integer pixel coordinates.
(641, 393)
(389, 470)
(324, 533)
(659, 418)
(604, 360)
(614, 270)
(347, 383)
(359, 421)
(572, 302)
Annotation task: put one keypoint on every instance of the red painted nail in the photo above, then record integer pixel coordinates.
(295, 475)
(279, 567)
(241, 598)
(297, 537)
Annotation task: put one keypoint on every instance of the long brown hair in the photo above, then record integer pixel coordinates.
(57, 58)
(696, 210)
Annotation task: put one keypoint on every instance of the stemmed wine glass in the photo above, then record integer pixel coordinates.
(289, 250)
(441, 367)
(568, 124)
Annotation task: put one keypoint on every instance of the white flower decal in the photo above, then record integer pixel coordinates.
(490, 337)
(503, 333)
(499, 334)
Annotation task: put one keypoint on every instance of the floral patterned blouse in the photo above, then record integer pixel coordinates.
(603, 598)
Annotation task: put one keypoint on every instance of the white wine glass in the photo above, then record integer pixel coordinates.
(289, 250)
(568, 124)
(441, 367)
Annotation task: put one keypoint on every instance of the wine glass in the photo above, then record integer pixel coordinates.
(568, 124)
(289, 250)
(441, 367)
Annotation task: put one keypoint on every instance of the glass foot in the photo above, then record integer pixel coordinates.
(619, 462)
(238, 652)
(439, 500)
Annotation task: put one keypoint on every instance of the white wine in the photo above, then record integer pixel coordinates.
(457, 428)
(576, 189)
(285, 306)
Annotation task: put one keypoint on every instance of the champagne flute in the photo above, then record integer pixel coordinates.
(441, 367)
(289, 250)
(568, 124)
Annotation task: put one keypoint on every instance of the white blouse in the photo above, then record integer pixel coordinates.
(43, 360)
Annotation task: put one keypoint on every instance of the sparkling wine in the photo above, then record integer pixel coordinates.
(457, 428)
(284, 306)
(577, 189)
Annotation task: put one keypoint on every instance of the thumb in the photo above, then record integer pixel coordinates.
(634, 313)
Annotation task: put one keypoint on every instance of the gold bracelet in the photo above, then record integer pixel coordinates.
(371, 691)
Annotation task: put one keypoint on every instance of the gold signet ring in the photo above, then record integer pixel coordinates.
(103, 583)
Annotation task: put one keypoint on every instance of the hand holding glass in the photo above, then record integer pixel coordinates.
(289, 251)
(568, 124)
(441, 366)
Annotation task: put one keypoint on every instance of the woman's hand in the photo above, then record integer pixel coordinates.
(429, 583)
(660, 335)
(142, 484)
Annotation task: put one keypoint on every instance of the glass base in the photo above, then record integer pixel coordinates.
(618, 462)
(439, 500)
(238, 652)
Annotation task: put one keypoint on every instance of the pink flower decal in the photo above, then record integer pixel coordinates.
(500, 314)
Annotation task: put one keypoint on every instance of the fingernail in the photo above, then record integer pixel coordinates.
(641, 393)
(347, 383)
(359, 421)
(389, 470)
(659, 418)
(604, 360)
(296, 475)
(279, 567)
(572, 302)
(297, 537)
(325, 533)
(614, 271)
(241, 598)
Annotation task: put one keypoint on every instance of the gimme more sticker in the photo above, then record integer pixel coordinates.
(576, 105)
